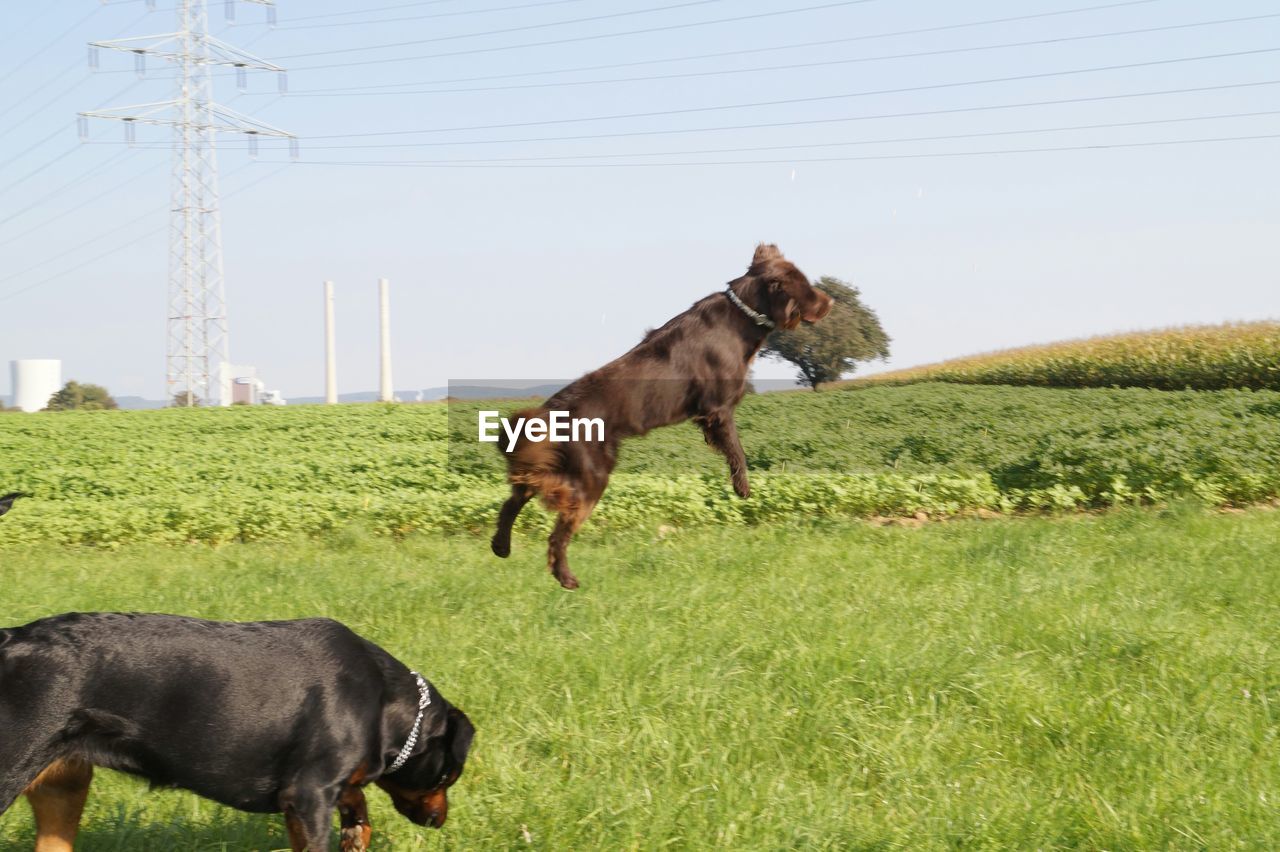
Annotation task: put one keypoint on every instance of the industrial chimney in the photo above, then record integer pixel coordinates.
(34, 381)
(385, 391)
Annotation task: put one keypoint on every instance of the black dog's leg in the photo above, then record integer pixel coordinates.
(722, 433)
(353, 812)
(57, 800)
(501, 544)
(308, 816)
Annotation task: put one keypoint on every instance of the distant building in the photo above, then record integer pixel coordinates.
(34, 381)
(241, 386)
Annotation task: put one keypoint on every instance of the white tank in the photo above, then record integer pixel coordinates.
(34, 381)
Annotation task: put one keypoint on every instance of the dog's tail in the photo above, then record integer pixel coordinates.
(539, 464)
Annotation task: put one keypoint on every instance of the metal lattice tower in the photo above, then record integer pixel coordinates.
(197, 351)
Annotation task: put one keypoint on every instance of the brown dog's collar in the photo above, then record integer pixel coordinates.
(755, 316)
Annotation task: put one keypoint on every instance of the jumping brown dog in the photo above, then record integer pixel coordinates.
(694, 367)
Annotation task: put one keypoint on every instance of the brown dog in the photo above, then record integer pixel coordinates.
(695, 367)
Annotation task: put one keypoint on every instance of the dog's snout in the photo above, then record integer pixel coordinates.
(820, 308)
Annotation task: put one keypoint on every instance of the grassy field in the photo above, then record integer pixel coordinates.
(241, 474)
(1091, 682)
(1207, 357)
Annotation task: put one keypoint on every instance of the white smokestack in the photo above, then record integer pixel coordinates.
(34, 381)
(330, 359)
(385, 392)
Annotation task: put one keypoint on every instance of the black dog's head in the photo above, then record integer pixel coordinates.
(792, 299)
(419, 789)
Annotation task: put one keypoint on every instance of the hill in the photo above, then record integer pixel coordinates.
(1207, 357)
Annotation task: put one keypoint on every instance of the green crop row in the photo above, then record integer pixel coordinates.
(106, 478)
(1243, 355)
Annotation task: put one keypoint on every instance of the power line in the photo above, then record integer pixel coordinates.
(547, 24)
(810, 121)
(571, 40)
(31, 148)
(47, 196)
(289, 27)
(603, 67)
(98, 238)
(88, 262)
(83, 20)
(793, 161)
(347, 91)
(813, 98)
(793, 46)
(22, 121)
(49, 82)
(122, 246)
(883, 141)
(40, 13)
(59, 216)
(57, 159)
(419, 3)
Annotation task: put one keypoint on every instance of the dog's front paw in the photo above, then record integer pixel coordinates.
(355, 838)
(742, 488)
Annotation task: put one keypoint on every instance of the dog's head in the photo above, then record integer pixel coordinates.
(792, 299)
(419, 789)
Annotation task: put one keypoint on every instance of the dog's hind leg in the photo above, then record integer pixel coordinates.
(568, 523)
(57, 799)
(501, 544)
(21, 762)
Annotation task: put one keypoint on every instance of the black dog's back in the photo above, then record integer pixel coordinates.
(97, 679)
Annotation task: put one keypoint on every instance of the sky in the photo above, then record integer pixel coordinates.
(543, 180)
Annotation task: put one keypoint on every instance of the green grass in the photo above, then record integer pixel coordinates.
(1094, 682)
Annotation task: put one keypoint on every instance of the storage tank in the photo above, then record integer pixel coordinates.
(34, 381)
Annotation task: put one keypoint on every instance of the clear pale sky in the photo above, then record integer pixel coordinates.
(544, 268)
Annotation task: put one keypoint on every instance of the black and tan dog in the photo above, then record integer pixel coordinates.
(274, 716)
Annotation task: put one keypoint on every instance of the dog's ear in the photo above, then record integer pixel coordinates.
(459, 735)
(783, 309)
(765, 251)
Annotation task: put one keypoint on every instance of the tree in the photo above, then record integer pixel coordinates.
(185, 399)
(832, 347)
(75, 396)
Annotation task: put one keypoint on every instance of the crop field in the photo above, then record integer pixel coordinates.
(1088, 682)
(234, 475)
(1243, 355)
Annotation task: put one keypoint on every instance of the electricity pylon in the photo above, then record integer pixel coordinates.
(197, 353)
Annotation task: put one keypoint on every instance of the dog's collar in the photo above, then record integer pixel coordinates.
(756, 317)
(424, 699)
